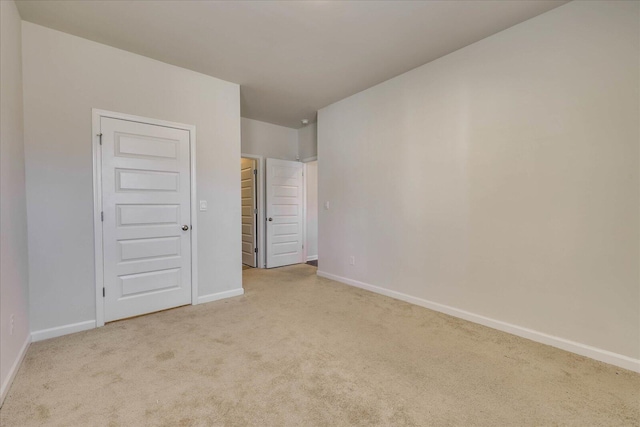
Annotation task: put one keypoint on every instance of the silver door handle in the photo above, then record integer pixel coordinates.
(270, 219)
(185, 227)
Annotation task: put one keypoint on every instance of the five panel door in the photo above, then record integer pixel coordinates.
(146, 205)
(248, 190)
(285, 220)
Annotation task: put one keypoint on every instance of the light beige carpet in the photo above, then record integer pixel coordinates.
(298, 350)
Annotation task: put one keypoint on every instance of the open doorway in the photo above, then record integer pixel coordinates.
(283, 228)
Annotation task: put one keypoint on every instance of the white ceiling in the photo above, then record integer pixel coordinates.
(290, 58)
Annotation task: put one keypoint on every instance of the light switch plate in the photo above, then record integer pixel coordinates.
(326, 205)
(203, 205)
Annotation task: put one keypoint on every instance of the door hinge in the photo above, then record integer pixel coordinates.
(255, 211)
(102, 216)
(103, 293)
(100, 136)
(255, 171)
(256, 250)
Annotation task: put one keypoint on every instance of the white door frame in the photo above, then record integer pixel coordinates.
(97, 200)
(304, 180)
(304, 213)
(260, 185)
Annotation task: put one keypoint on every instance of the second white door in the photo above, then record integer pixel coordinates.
(285, 213)
(147, 217)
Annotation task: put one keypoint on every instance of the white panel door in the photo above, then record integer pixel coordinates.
(147, 218)
(284, 212)
(249, 211)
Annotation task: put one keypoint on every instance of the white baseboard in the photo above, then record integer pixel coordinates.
(220, 295)
(59, 331)
(6, 385)
(312, 258)
(606, 356)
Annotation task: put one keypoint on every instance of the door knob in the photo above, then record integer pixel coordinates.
(185, 227)
(270, 219)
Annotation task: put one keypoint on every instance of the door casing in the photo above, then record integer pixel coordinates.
(97, 114)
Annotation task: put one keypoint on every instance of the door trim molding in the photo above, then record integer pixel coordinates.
(97, 114)
(260, 183)
(305, 244)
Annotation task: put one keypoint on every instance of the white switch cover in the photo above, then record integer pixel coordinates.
(326, 205)
(203, 205)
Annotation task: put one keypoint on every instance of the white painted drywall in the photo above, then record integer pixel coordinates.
(268, 140)
(311, 179)
(308, 141)
(64, 78)
(14, 280)
(501, 179)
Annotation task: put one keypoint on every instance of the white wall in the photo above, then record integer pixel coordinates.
(64, 78)
(14, 281)
(308, 141)
(268, 140)
(311, 179)
(501, 179)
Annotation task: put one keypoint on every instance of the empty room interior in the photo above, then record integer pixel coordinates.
(320, 213)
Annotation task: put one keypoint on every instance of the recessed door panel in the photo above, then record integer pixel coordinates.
(137, 285)
(284, 171)
(247, 193)
(149, 248)
(247, 211)
(135, 215)
(247, 247)
(144, 180)
(128, 145)
(282, 210)
(285, 191)
(286, 230)
(285, 248)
